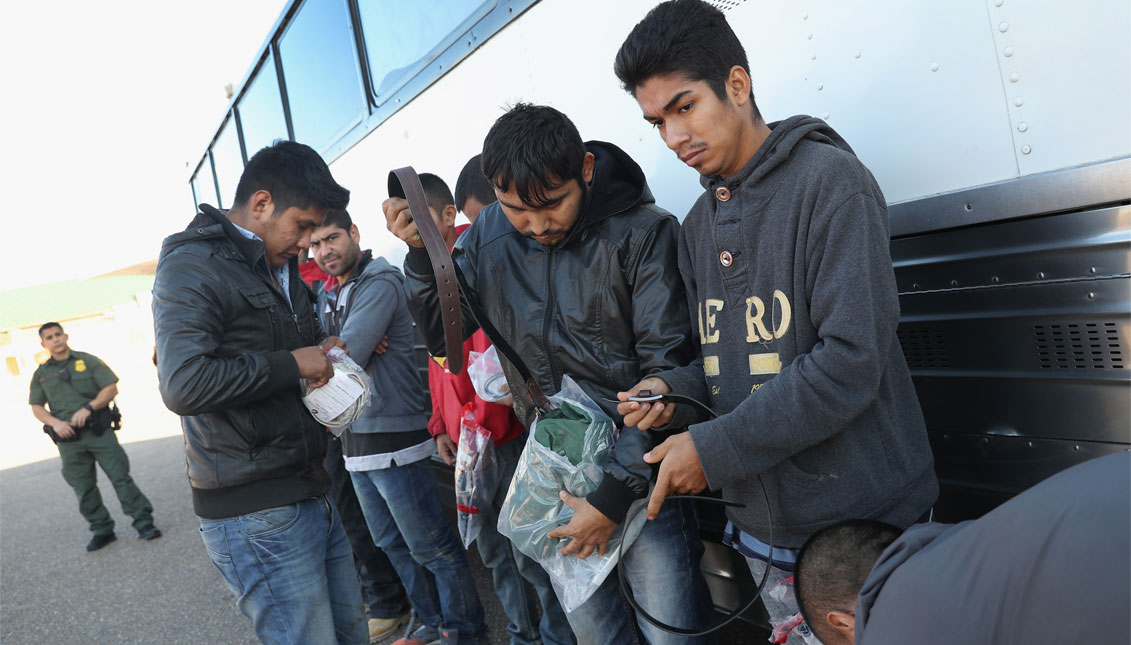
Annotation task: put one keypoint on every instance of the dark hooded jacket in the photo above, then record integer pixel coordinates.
(224, 336)
(605, 305)
(787, 264)
(1052, 565)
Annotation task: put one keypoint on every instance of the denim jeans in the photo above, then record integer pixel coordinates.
(380, 586)
(507, 563)
(402, 507)
(781, 606)
(292, 571)
(662, 571)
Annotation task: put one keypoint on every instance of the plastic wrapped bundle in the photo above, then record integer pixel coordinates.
(476, 475)
(533, 509)
(344, 398)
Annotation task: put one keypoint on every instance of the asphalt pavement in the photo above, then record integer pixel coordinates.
(133, 591)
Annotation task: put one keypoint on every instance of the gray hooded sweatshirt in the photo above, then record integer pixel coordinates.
(788, 272)
(1052, 565)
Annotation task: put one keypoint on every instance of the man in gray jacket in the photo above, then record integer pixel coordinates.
(786, 265)
(386, 451)
(1052, 565)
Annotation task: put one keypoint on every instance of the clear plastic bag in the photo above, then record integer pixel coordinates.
(783, 592)
(486, 374)
(344, 398)
(476, 475)
(532, 508)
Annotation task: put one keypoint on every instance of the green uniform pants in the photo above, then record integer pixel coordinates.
(78, 470)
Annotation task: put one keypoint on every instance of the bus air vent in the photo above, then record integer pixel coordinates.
(924, 346)
(1079, 345)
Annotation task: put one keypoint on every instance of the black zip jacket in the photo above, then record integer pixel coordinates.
(605, 306)
(224, 335)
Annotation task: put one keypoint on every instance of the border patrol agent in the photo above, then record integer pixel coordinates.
(78, 388)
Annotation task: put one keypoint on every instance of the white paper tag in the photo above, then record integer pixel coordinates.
(332, 399)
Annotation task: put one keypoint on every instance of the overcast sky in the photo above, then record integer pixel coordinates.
(106, 107)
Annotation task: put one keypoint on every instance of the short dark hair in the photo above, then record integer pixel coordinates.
(436, 192)
(687, 37)
(339, 217)
(473, 183)
(537, 149)
(48, 325)
(833, 565)
(294, 174)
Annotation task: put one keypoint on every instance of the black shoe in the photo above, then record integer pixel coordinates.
(100, 540)
(148, 533)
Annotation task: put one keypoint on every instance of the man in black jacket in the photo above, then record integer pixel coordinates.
(575, 267)
(236, 331)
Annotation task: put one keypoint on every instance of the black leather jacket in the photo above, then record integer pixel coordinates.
(224, 335)
(605, 306)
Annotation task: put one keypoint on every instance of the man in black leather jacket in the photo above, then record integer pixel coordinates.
(575, 266)
(236, 331)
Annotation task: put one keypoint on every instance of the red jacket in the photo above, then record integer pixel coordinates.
(450, 393)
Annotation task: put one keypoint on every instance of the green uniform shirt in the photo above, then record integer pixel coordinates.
(65, 386)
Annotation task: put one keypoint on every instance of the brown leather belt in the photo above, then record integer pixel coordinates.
(403, 182)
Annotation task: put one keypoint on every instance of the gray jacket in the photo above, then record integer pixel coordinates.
(376, 309)
(787, 268)
(1052, 565)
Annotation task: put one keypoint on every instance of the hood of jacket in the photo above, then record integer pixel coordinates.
(913, 540)
(784, 136)
(212, 224)
(618, 185)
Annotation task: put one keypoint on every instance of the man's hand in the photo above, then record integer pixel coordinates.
(313, 365)
(331, 342)
(382, 346)
(680, 470)
(589, 528)
(646, 415)
(79, 418)
(63, 429)
(398, 219)
(446, 449)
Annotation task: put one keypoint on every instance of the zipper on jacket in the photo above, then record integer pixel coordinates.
(549, 318)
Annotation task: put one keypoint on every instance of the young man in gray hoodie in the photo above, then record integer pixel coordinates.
(787, 269)
(386, 451)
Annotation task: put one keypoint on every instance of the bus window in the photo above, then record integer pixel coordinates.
(228, 161)
(422, 32)
(321, 72)
(261, 110)
(203, 186)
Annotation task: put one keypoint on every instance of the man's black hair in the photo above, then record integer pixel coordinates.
(294, 174)
(686, 37)
(473, 183)
(536, 149)
(48, 325)
(436, 192)
(833, 565)
(339, 217)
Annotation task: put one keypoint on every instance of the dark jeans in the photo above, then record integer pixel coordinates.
(78, 459)
(380, 585)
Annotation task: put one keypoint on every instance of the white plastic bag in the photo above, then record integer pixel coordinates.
(344, 398)
(476, 475)
(486, 374)
(532, 508)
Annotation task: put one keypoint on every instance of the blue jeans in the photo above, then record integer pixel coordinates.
(402, 507)
(507, 563)
(291, 568)
(662, 571)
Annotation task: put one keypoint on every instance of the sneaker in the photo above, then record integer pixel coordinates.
(100, 540)
(148, 533)
(380, 628)
(424, 635)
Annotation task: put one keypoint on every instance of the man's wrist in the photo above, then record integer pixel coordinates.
(88, 407)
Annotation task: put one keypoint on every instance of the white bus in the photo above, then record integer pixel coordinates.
(999, 130)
